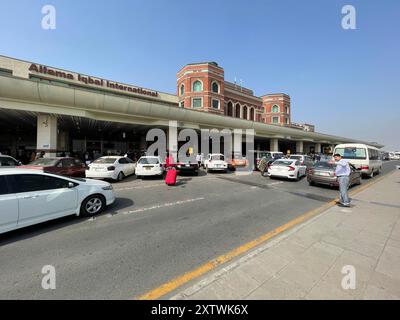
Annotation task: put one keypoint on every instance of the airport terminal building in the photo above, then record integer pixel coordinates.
(48, 109)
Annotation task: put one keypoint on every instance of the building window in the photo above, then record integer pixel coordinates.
(215, 87)
(275, 120)
(197, 86)
(245, 112)
(252, 114)
(197, 102)
(237, 110)
(182, 90)
(182, 104)
(287, 120)
(286, 109)
(215, 103)
(230, 109)
(275, 109)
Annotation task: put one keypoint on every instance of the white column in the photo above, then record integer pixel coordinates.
(299, 147)
(173, 139)
(274, 144)
(47, 134)
(317, 148)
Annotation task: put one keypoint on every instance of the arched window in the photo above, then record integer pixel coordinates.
(182, 90)
(215, 87)
(252, 114)
(197, 86)
(286, 109)
(245, 112)
(229, 111)
(275, 108)
(237, 110)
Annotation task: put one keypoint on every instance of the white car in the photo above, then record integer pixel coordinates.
(216, 162)
(150, 166)
(287, 168)
(111, 167)
(29, 196)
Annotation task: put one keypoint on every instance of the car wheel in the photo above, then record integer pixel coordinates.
(93, 205)
(121, 176)
(311, 183)
(298, 176)
(371, 175)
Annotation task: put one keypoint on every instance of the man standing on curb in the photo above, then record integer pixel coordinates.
(343, 175)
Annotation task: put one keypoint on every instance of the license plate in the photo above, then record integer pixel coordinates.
(325, 174)
(187, 165)
(99, 169)
(147, 168)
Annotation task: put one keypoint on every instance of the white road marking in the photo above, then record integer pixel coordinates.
(159, 206)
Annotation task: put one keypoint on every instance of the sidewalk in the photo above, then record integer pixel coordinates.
(306, 262)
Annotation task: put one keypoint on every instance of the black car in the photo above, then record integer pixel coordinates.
(188, 167)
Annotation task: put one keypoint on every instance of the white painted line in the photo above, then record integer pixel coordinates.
(164, 205)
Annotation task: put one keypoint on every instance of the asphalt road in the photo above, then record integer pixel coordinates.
(151, 235)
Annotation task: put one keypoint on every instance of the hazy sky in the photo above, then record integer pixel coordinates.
(346, 82)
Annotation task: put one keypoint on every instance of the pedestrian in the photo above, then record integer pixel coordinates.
(198, 159)
(342, 172)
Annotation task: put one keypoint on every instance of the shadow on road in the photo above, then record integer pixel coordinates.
(56, 224)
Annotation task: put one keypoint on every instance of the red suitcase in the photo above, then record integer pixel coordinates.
(170, 178)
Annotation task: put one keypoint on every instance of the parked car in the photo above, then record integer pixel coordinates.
(150, 166)
(111, 167)
(362, 156)
(287, 168)
(7, 161)
(29, 196)
(304, 160)
(216, 162)
(258, 155)
(323, 172)
(65, 166)
(187, 166)
(237, 161)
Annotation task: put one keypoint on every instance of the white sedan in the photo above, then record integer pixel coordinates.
(111, 167)
(150, 166)
(29, 196)
(287, 168)
(216, 162)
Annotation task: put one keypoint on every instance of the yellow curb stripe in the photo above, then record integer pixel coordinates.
(185, 278)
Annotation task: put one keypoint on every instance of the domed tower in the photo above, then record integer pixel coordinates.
(200, 86)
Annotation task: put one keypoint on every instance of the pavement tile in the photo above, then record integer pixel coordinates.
(389, 263)
(376, 293)
(263, 266)
(393, 243)
(326, 290)
(277, 289)
(382, 281)
(304, 274)
(287, 249)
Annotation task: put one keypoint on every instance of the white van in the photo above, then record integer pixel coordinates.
(363, 157)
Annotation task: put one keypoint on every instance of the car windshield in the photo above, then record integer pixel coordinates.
(324, 165)
(148, 161)
(104, 160)
(45, 162)
(295, 157)
(264, 154)
(217, 157)
(283, 163)
(352, 153)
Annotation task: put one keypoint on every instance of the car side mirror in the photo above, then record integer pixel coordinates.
(71, 185)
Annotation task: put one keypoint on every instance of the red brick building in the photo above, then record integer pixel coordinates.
(202, 86)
